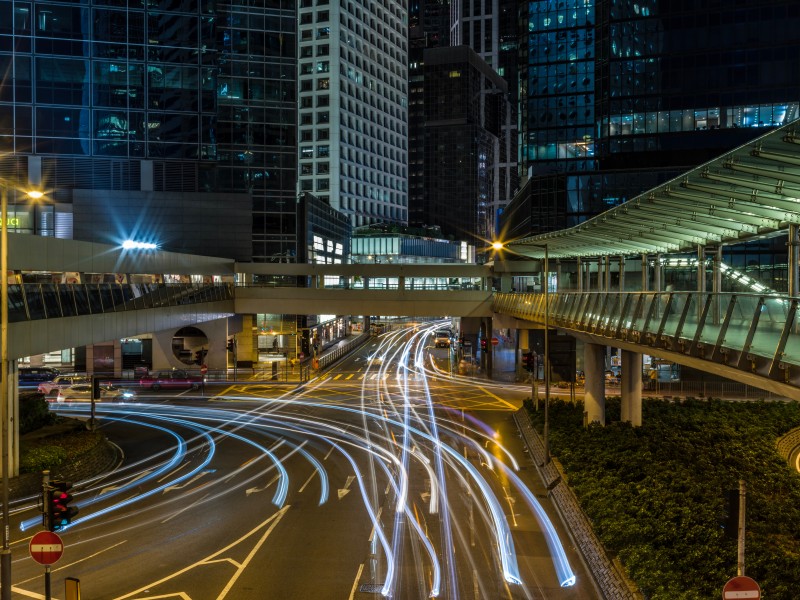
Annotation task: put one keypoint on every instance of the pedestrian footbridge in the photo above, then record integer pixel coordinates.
(745, 337)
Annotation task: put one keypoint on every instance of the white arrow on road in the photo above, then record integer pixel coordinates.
(111, 488)
(255, 490)
(185, 483)
(346, 489)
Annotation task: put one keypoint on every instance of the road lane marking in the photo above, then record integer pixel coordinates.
(337, 377)
(310, 477)
(350, 376)
(271, 522)
(506, 402)
(355, 583)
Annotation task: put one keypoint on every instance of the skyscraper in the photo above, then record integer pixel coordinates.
(618, 97)
(178, 108)
(353, 132)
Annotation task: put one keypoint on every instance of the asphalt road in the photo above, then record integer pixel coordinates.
(383, 476)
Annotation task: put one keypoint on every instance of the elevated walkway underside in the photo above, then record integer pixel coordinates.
(748, 338)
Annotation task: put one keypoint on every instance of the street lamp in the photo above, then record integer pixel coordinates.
(5, 553)
(497, 246)
(546, 285)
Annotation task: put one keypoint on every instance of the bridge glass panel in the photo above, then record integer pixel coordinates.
(33, 297)
(94, 293)
(52, 305)
(16, 304)
(67, 297)
(81, 296)
(106, 296)
(772, 318)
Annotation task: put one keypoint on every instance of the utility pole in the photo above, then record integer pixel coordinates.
(740, 555)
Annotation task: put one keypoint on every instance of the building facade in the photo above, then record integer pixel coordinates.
(466, 109)
(618, 97)
(353, 98)
(153, 105)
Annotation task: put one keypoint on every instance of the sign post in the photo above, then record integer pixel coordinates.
(741, 588)
(46, 548)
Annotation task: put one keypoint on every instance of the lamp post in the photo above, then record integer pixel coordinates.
(5, 552)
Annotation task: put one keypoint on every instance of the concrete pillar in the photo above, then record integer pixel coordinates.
(594, 400)
(645, 273)
(580, 274)
(794, 260)
(558, 275)
(621, 273)
(631, 387)
(607, 273)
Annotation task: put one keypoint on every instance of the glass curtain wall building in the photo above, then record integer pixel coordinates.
(162, 100)
(617, 97)
(353, 96)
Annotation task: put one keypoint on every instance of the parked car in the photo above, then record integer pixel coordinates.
(32, 376)
(62, 381)
(175, 379)
(82, 392)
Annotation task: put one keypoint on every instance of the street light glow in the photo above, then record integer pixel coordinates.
(133, 245)
(497, 245)
(35, 194)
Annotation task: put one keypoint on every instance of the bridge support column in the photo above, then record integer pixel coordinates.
(645, 273)
(631, 387)
(594, 401)
(580, 274)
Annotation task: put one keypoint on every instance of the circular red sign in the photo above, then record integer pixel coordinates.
(46, 547)
(495, 341)
(204, 369)
(741, 588)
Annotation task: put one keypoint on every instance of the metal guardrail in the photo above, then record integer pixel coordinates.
(342, 351)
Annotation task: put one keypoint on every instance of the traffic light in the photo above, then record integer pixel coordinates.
(483, 344)
(231, 345)
(59, 512)
(527, 361)
(95, 388)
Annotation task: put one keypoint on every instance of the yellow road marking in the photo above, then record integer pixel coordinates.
(506, 402)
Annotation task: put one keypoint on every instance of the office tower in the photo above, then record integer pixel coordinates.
(466, 117)
(619, 97)
(489, 27)
(428, 27)
(353, 95)
(172, 122)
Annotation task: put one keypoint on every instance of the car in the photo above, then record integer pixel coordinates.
(171, 380)
(82, 392)
(30, 376)
(62, 381)
(442, 339)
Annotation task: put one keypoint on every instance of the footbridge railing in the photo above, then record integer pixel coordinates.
(32, 301)
(754, 335)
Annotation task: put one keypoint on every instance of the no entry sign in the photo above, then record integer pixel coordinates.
(46, 547)
(741, 588)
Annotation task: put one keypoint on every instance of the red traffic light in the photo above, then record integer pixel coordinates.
(59, 512)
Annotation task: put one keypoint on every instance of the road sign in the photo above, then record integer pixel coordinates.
(46, 547)
(203, 369)
(495, 341)
(740, 588)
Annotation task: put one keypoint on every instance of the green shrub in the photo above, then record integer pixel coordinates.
(53, 451)
(655, 494)
(34, 412)
(35, 460)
